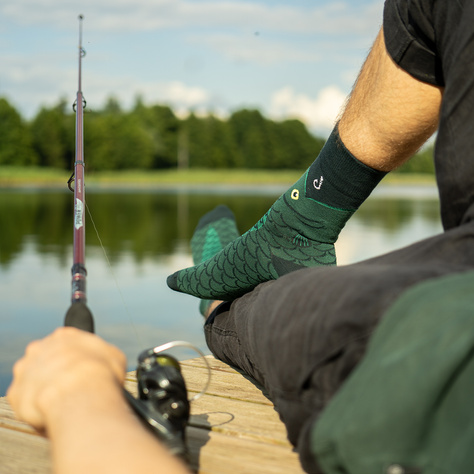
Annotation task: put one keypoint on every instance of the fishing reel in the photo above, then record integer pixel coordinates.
(162, 401)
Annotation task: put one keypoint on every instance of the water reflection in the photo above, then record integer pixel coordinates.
(146, 236)
(144, 224)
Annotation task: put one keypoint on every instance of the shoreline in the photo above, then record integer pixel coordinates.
(184, 180)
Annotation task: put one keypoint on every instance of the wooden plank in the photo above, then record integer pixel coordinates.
(237, 418)
(210, 453)
(214, 363)
(233, 429)
(224, 384)
(23, 453)
(232, 404)
(8, 420)
(218, 367)
(225, 381)
(215, 453)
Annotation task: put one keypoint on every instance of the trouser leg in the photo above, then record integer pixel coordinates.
(301, 335)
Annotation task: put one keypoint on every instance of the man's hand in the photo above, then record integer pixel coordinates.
(70, 385)
(64, 365)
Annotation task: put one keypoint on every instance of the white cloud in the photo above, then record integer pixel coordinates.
(34, 82)
(177, 62)
(179, 96)
(140, 15)
(257, 49)
(28, 80)
(318, 113)
(175, 93)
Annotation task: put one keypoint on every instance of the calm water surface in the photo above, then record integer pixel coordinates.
(142, 236)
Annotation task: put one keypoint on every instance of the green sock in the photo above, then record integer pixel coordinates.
(298, 231)
(214, 231)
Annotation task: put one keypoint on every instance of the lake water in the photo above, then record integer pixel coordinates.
(142, 236)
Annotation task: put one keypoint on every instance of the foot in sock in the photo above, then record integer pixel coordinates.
(298, 231)
(276, 245)
(214, 231)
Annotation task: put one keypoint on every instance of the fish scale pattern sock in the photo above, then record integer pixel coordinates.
(214, 231)
(298, 231)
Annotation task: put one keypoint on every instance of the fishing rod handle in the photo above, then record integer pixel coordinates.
(79, 316)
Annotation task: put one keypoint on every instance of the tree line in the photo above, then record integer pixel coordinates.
(153, 137)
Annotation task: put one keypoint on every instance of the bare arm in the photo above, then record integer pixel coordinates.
(389, 114)
(69, 384)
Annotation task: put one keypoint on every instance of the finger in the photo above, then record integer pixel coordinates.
(33, 347)
(22, 402)
(114, 358)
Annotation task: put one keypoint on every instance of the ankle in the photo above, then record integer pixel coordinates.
(212, 307)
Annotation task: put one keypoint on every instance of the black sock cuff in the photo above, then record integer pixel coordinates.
(338, 179)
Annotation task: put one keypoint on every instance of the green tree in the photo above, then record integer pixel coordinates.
(223, 149)
(112, 106)
(421, 163)
(196, 141)
(262, 143)
(211, 143)
(293, 147)
(15, 138)
(116, 140)
(53, 136)
(163, 128)
(251, 135)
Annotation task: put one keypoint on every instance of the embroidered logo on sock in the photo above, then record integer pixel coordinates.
(318, 183)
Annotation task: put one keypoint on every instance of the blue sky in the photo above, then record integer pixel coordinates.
(294, 58)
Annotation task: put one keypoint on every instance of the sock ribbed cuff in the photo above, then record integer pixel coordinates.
(338, 179)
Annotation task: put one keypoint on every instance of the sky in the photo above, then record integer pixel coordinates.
(289, 59)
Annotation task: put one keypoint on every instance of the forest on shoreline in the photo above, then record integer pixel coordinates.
(152, 138)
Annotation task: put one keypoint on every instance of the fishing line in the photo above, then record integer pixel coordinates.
(129, 314)
(163, 347)
(170, 345)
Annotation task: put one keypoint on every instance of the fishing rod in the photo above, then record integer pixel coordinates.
(78, 314)
(162, 402)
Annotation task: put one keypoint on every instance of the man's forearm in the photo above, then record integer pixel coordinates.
(70, 385)
(95, 431)
(389, 114)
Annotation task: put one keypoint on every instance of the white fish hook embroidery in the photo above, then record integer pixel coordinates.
(316, 184)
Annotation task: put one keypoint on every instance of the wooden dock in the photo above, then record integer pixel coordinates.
(233, 429)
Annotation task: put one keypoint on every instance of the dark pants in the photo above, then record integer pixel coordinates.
(301, 335)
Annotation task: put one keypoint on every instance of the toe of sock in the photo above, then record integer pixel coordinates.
(172, 281)
(217, 213)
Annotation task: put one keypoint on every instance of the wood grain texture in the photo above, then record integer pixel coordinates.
(233, 429)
